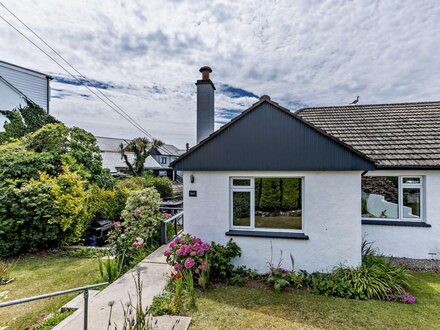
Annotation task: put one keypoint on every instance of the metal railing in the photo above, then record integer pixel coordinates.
(59, 293)
(177, 222)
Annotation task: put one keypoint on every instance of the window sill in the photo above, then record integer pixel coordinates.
(397, 223)
(267, 234)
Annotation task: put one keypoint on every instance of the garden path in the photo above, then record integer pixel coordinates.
(153, 269)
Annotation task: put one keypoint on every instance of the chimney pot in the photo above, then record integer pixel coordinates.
(205, 70)
(265, 97)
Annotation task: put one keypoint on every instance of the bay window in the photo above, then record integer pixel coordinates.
(266, 203)
(392, 197)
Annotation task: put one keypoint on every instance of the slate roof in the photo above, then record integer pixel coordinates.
(393, 135)
(110, 144)
(170, 150)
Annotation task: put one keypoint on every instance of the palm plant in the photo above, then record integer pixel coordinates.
(141, 147)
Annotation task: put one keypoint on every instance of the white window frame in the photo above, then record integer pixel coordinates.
(163, 160)
(420, 186)
(251, 189)
(402, 185)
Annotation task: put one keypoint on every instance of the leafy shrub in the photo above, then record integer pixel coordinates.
(220, 257)
(42, 213)
(162, 184)
(279, 277)
(376, 278)
(133, 237)
(104, 203)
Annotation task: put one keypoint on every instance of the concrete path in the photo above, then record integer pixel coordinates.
(154, 281)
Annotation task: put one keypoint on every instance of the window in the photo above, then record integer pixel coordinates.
(163, 160)
(265, 203)
(392, 197)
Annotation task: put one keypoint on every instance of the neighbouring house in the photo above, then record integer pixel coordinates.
(111, 157)
(165, 155)
(314, 184)
(18, 84)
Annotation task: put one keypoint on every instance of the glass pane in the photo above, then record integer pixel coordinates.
(278, 203)
(411, 180)
(241, 208)
(380, 197)
(241, 182)
(411, 203)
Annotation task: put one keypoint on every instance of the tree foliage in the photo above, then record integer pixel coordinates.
(24, 120)
(48, 148)
(43, 212)
(141, 148)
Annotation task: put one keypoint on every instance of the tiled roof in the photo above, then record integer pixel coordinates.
(394, 135)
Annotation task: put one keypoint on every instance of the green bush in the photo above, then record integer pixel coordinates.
(376, 278)
(135, 236)
(42, 213)
(220, 257)
(105, 203)
(161, 184)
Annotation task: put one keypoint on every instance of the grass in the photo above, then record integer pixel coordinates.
(44, 273)
(229, 307)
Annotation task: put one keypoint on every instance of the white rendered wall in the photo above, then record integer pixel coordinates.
(331, 219)
(411, 242)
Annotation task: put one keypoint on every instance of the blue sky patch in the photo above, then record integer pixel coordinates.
(235, 92)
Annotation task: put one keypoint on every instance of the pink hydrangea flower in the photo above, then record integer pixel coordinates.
(137, 211)
(117, 224)
(167, 252)
(139, 242)
(167, 215)
(172, 244)
(189, 263)
(203, 265)
(206, 246)
(178, 267)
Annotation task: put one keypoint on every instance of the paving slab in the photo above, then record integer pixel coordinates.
(168, 322)
(152, 269)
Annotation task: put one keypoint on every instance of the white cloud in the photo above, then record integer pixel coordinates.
(299, 52)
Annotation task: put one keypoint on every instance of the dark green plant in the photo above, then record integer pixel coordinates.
(24, 120)
(220, 257)
(141, 148)
(279, 278)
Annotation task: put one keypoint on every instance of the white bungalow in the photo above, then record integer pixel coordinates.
(315, 183)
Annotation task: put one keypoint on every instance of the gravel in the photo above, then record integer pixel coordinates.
(418, 265)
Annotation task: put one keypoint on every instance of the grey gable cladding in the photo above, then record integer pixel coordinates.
(267, 137)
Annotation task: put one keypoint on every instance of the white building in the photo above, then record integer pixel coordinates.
(316, 183)
(18, 84)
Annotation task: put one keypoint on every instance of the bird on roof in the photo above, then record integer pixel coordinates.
(355, 101)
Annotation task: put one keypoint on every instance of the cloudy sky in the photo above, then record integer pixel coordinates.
(145, 56)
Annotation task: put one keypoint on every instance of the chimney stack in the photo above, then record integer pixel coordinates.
(205, 105)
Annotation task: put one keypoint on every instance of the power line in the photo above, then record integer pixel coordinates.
(121, 112)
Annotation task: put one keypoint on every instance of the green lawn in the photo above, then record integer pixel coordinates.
(230, 307)
(43, 273)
